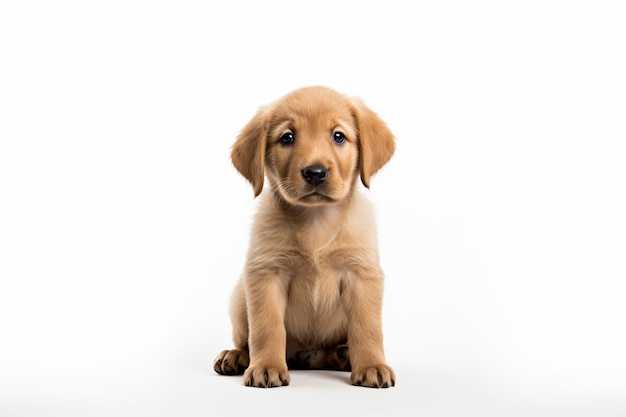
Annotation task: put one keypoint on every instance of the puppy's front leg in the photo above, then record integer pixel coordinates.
(365, 337)
(266, 300)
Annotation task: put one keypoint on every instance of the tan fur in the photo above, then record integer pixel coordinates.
(312, 282)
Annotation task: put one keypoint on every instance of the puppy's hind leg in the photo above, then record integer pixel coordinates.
(236, 361)
(231, 362)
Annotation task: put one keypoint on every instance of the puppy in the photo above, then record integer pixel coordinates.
(311, 292)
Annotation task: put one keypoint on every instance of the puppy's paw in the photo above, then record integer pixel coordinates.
(266, 377)
(340, 358)
(374, 376)
(336, 358)
(231, 362)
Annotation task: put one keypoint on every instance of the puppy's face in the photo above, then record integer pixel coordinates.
(312, 145)
(312, 150)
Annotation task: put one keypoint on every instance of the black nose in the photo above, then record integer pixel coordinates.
(315, 174)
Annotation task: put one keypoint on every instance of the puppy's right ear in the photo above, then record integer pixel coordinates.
(248, 152)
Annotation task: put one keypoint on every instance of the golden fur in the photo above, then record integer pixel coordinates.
(310, 296)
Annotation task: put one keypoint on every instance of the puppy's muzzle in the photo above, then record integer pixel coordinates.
(315, 174)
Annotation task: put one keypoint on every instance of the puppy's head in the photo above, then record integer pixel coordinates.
(312, 145)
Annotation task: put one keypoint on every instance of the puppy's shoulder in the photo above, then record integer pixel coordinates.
(268, 217)
(362, 207)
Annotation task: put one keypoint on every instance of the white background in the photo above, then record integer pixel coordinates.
(501, 217)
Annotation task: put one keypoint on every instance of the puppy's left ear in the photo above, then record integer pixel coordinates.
(376, 142)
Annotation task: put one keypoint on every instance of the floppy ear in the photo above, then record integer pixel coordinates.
(248, 152)
(376, 142)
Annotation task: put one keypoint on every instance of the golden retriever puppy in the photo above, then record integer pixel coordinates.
(310, 296)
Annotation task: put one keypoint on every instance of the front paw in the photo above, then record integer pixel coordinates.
(374, 376)
(266, 377)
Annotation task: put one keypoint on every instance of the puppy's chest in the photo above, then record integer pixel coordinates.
(321, 272)
(318, 284)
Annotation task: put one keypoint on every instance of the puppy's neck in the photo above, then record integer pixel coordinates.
(316, 227)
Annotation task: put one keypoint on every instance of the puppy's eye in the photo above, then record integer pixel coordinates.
(287, 138)
(339, 137)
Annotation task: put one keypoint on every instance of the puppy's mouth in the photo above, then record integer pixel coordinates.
(307, 196)
(307, 193)
(315, 195)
